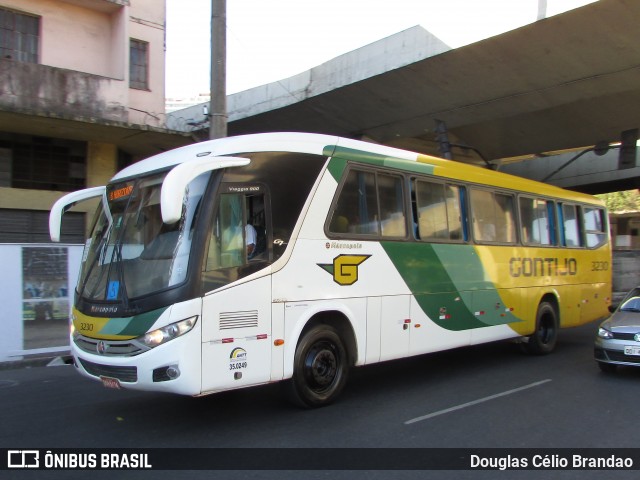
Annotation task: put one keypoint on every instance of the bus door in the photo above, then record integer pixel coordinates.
(236, 314)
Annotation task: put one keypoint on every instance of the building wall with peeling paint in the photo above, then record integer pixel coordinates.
(83, 61)
(68, 120)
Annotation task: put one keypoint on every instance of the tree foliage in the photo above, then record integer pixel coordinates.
(626, 201)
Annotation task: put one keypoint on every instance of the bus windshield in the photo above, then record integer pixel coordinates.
(130, 252)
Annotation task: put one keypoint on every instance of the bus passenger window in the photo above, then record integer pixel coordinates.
(227, 239)
(256, 227)
(365, 219)
(594, 226)
(391, 201)
(454, 212)
(493, 217)
(535, 221)
(370, 203)
(356, 209)
(439, 216)
(570, 226)
(432, 211)
(339, 223)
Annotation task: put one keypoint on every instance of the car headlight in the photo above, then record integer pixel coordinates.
(165, 334)
(604, 333)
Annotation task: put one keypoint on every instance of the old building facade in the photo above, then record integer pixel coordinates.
(81, 95)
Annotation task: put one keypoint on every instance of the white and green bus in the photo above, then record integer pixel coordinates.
(291, 256)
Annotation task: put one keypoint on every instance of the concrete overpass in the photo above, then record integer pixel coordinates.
(564, 82)
(590, 173)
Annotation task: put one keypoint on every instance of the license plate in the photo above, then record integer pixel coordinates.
(110, 382)
(631, 350)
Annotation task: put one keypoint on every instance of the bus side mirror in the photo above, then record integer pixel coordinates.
(65, 203)
(176, 181)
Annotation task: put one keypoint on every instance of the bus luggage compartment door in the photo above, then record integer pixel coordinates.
(236, 336)
(395, 327)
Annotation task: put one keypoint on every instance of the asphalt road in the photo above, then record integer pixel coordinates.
(488, 396)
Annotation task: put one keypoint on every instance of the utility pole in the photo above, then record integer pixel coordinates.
(218, 102)
(444, 146)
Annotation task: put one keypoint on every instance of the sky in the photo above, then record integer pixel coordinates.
(269, 40)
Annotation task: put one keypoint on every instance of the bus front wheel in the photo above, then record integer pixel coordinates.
(544, 339)
(320, 368)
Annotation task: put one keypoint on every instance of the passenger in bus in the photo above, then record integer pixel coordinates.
(251, 239)
(339, 224)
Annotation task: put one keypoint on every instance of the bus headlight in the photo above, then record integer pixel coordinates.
(164, 334)
(72, 327)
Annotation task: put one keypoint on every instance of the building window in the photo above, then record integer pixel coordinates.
(42, 163)
(19, 35)
(5, 167)
(139, 65)
(32, 226)
(124, 160)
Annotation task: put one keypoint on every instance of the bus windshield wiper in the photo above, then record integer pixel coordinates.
(99, 258)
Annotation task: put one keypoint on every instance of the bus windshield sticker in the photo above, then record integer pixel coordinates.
(114, 286)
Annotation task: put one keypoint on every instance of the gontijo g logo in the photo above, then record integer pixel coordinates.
(344, 268)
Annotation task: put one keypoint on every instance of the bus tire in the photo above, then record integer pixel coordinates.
(543, 340)
(320, 368)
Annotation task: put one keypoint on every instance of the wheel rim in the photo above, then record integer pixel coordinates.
(321, 366)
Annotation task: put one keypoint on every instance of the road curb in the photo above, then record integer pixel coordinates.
(45, 361)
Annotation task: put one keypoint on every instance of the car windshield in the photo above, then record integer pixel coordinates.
(131, 252)
(631, 303)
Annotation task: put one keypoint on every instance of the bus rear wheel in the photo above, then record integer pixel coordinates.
(543, 340)
(320, 368)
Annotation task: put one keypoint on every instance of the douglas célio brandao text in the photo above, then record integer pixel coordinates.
(551, 461)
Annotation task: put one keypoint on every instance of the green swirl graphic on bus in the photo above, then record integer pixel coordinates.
(344, 268)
